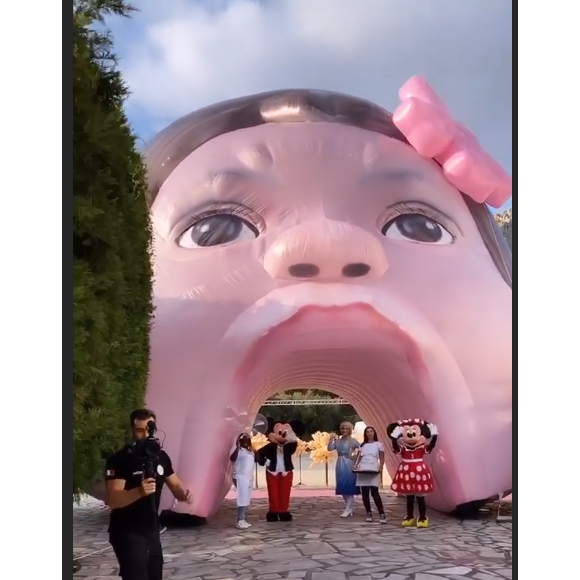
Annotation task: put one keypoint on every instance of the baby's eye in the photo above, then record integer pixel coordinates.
(417, 228)
(217, 230)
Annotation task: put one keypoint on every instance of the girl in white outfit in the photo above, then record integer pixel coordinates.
(243, 459)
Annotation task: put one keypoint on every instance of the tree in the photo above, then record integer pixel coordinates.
(314, 417)
(112, 304)
(504, 221)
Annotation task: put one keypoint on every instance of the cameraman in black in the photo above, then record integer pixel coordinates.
(134, 478)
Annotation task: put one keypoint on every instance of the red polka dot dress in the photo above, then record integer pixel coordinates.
(413, 476)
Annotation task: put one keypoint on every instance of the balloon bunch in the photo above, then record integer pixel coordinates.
(319, 448)
(258, 441)
(303, 447)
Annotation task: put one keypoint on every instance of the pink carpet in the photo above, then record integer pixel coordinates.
(296, 492)
(304, 491)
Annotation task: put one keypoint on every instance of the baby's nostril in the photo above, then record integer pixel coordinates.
(304, 270)
(356, 270)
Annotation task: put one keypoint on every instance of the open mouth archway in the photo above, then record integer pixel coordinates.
(380, 355)
(386, 370)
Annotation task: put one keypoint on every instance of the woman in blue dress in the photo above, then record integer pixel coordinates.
(345, 478)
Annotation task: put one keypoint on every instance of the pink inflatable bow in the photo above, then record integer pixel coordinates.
(428, 126)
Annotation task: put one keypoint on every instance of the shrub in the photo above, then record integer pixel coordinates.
(112, 276)
(504, 220)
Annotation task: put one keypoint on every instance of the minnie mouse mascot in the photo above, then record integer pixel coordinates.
(412, 439)
(276, 456)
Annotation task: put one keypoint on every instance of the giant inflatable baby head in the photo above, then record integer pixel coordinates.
(312, 239)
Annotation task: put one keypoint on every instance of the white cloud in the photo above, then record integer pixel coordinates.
(181, 55)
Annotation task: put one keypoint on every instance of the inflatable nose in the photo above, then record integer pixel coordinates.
(326, 251)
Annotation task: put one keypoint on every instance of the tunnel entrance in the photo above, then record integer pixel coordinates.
(321, 412)
(376, 381)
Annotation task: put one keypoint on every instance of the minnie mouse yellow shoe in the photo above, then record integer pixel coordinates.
(423, 523)
(408, 522)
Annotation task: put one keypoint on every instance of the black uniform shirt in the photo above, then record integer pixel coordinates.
(138, 516)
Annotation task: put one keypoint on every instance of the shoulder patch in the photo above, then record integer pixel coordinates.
(110, 473)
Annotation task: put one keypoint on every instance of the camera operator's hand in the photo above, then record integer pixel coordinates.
(148, 487)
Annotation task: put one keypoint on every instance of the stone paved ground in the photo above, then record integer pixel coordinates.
(317, 545)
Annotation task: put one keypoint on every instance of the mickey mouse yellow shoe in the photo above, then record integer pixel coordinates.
(408, 522)
(423, 523)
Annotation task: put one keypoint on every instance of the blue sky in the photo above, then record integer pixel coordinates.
(180, 55)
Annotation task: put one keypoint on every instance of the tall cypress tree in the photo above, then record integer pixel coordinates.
(112, 275)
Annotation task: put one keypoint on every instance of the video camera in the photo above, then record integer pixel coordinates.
(148, 450)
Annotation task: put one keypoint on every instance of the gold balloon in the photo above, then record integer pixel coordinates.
(319, 448)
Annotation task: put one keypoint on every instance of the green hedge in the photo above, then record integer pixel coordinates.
(112, 274)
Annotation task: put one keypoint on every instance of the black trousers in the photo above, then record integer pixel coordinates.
(140, 555)
(366, 492)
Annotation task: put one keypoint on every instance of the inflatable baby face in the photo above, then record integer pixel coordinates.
(294, 248)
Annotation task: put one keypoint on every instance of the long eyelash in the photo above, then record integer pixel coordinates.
(406, 209)
(238, 210)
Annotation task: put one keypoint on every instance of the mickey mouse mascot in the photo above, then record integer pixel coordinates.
(412, 439)
(276, 456)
